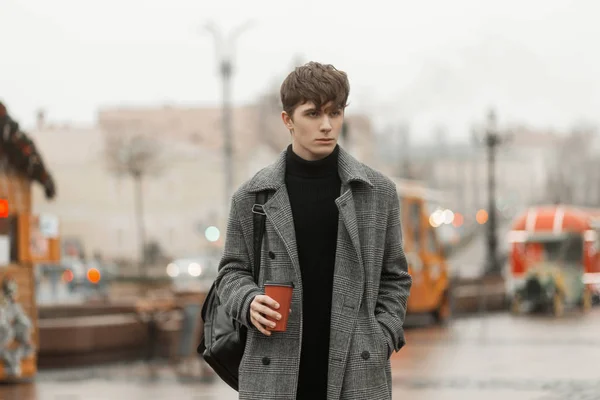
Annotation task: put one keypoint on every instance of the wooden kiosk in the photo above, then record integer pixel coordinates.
(25, 239)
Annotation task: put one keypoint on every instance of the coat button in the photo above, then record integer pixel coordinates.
(365, 355)
(271, 255)
(266, 361)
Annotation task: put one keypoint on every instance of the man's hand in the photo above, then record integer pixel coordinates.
(261, 307)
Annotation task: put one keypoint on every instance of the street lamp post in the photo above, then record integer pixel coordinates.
(492, 141)
(224, 47)
(475, 201)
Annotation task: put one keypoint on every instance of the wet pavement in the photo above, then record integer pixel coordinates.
(492, 357)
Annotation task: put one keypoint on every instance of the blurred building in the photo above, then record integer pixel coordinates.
(185, 197)
(574, 175)
(523, 167)
(255, 125)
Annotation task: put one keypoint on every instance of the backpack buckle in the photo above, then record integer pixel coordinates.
(258, 209)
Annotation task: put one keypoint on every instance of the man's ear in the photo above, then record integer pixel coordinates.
(287, 120)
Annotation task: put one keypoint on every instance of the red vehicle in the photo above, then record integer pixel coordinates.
(538, 236)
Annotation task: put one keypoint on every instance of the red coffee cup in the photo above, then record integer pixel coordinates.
(281, 292)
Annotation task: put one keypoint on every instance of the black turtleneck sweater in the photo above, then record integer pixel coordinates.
(313, 187)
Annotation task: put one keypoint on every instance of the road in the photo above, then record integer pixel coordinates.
(501, 356)
(486, 357)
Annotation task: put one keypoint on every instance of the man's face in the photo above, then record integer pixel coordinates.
(314, 132)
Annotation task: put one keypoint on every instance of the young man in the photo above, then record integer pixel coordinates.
(333, 229)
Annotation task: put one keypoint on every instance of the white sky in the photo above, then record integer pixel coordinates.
(427, 62)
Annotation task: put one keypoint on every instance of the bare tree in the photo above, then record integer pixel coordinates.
(135, 156)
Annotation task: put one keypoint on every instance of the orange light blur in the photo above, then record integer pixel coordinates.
(67, 276)
(481, 217)
(93, 275)
(3, 208)
(458, 220)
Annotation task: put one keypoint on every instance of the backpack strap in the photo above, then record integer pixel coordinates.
(259, 230)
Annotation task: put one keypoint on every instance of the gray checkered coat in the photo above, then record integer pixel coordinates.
(370, 289)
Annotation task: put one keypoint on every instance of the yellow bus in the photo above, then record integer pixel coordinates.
(430, 292)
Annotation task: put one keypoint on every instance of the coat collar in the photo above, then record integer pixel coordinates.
(273, 176)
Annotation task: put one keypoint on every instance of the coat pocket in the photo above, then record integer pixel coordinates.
(367, 357)
(384, 341)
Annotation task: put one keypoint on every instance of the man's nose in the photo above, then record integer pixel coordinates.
(326, 124)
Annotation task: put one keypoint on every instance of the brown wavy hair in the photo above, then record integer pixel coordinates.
(316, 83)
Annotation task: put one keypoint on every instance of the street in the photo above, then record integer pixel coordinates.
(481, 357)
(501, 356)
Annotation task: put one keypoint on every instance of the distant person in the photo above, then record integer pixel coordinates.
(333, 229)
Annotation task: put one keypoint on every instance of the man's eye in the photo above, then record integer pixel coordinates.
(313, 114)
(336, 113)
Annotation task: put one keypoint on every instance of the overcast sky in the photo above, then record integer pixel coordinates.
(426, 62)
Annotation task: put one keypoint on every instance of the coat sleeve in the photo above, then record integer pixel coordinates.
(395, 283)
(235, 282)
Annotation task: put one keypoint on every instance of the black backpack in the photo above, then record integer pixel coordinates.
(223, 339)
